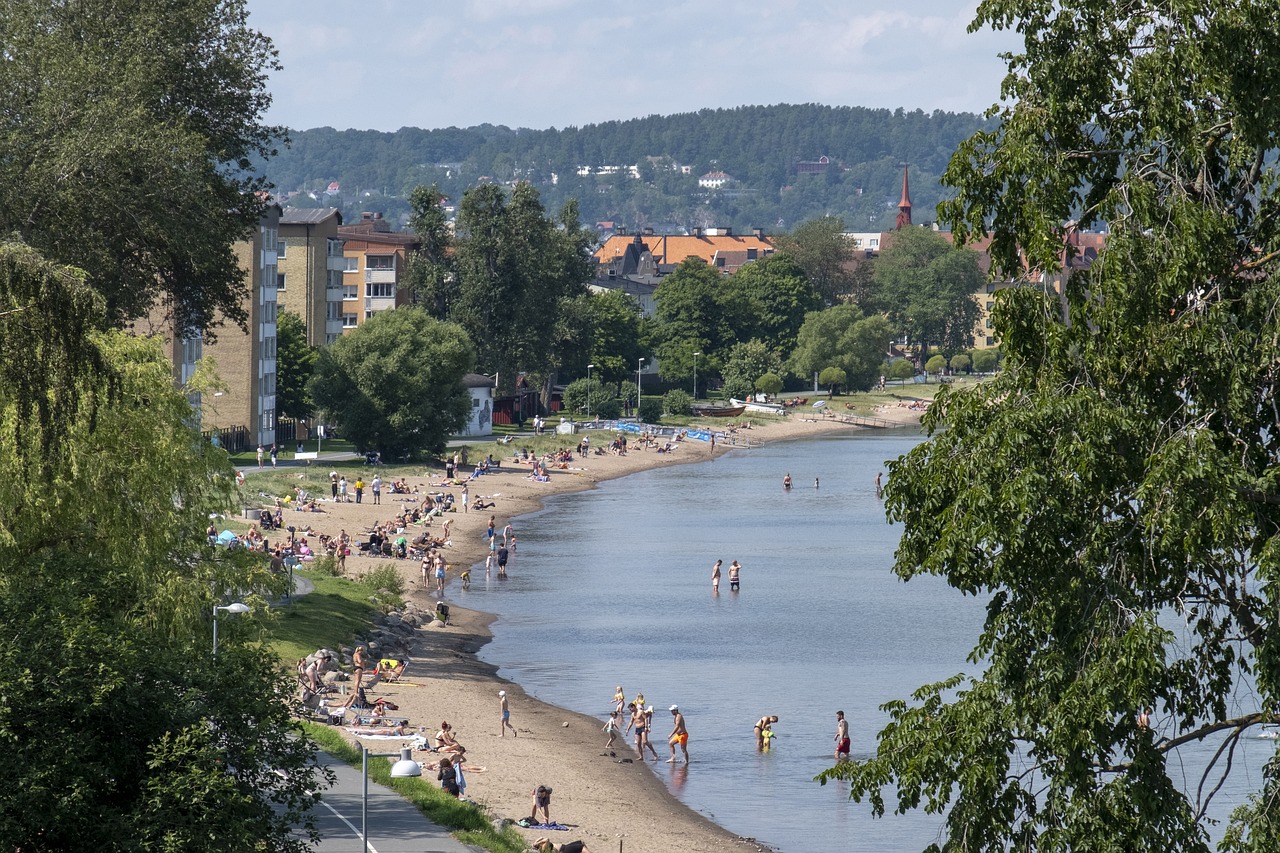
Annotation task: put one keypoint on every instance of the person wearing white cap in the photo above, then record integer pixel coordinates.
(679, 735)
(506, 716)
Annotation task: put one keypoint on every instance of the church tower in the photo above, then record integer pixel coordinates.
(904, 206)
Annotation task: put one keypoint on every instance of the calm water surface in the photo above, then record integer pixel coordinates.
(613, 587)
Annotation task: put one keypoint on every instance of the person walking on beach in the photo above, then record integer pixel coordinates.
(333, 485)
(448, 468)
(377, 488)
(734, 572)
(715, 576)
(439, 575)
(679, 735)
(612, 729)
(842, 737)
(637, 722)
(275, 454)
(359, 489)
(506, 716)
(466, 496)
(261, 454)
(342, 489)
(503, 555)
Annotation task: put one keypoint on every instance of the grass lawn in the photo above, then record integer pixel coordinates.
(331, 616)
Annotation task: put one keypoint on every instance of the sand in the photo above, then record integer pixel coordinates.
(604, 798)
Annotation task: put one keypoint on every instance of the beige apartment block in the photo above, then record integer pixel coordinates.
(309, 268)
(375, 268)
(246, 362)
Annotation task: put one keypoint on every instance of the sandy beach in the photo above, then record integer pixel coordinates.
(604, 798)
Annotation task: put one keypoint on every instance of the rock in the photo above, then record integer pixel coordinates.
(564, 725)
(436, 623)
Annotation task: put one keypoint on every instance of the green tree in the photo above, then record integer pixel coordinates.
(842, 337)
(750, 360)
(616, 334)
(984, 360)
(394, 385)
(1112, 493)
(431, 277)
(295, 364)
(124, 150)
(588, 396)
(820, 248)
(677, 402)
(901, 369)
(960, 363)
(833, 378)
(692, 317)
(105, 617)
(768, 301)
(936, 364)
(926, 287)
(769, 383)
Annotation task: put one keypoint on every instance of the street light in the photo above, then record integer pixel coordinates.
(405, 768)
(589, 366)
(638, 364)
(237, 607)
(695, 375)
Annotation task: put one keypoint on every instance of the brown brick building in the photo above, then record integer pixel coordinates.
(309, 270)
(375, 268)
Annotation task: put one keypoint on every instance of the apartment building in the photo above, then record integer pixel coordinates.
(309, 271)
(374, 268)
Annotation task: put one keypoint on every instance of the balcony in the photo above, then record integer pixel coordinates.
(336, 263)
(380, 276)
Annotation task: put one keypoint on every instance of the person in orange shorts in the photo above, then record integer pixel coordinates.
(679, 735)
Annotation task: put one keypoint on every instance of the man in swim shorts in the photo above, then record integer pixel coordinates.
(842, 737)
(506, 716)
(679, 735)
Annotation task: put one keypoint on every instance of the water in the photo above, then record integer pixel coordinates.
(613, 587)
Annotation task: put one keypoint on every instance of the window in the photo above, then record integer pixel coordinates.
(380, 262)
(333, 248)
(269, 348)
(369, 314)
(282, 246)
(348, 321)
(990, 305)
(989, 326)
(380, 290)
(280, 280)
(352, 264)
(349, 291)
(333, 310)
(991, 341)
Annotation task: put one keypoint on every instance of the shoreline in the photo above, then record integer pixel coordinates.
(606, 799)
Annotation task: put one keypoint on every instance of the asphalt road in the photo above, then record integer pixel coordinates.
(395, 826)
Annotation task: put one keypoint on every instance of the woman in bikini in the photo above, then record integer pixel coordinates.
(764, 725)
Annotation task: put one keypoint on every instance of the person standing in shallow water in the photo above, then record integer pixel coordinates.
(842, 737)
(786, 482)
(715, 576)
(735, 571)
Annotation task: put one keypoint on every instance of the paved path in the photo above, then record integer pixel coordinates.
(395, 825)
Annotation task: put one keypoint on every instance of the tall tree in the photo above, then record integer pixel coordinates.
(105, 596)
(826, 256)
(1113, 492)
(841, 336)
(692, 317)
(126, 132)
(431, 277)
(394, 385)
(926, 287)
(769, 300)
(617, 334)
(295, 364)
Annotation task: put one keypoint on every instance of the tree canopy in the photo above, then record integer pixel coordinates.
(105, 596)
(394, 384)
(926, 287)
(126, 134)
(294, 366)
(844, 338)
(1112, 493)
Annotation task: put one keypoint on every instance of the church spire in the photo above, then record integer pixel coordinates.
(904, 206)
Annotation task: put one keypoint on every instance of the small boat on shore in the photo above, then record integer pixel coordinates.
(762, 408)
(710, 410)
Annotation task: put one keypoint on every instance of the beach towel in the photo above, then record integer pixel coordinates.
(525, 823)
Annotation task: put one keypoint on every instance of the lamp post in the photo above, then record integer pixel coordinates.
(237, 607)
(589, 366)
(638, 365)
(695, 376)
(404, 768)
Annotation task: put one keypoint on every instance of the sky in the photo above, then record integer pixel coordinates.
(387, 64)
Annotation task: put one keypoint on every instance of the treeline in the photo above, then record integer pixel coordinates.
(759, 146)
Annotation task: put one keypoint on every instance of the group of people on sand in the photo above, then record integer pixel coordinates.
(735, 576)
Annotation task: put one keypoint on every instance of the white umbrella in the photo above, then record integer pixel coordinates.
(819, 404)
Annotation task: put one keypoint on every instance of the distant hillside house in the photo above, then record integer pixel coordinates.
(715, 180)
(813, 167)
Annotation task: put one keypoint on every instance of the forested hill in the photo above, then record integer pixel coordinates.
(760, 147)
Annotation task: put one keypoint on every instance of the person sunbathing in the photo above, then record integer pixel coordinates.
(544, 845)
(445, 741)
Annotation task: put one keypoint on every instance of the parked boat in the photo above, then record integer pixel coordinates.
(763, 408)
(710, 410)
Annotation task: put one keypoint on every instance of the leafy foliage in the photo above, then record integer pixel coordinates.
(820, 248)
(841, 336)
(105, 598)
(395, 383)
(770, 383)
(936, 364)
(580, 392)
(295, 364)
(677, 402)
(650, 409)
(984, 360)
(1112, 492)
(833, 378)
(152, 109)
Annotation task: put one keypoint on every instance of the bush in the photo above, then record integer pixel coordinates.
(326, 565)
(769, 383)
(936, 365)
(984, 360)
(736, 388)
(901, 369)
(384, 577)
(607, 410)
(575, 396)
(677, 402)
(960, 363)
(651, 409)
